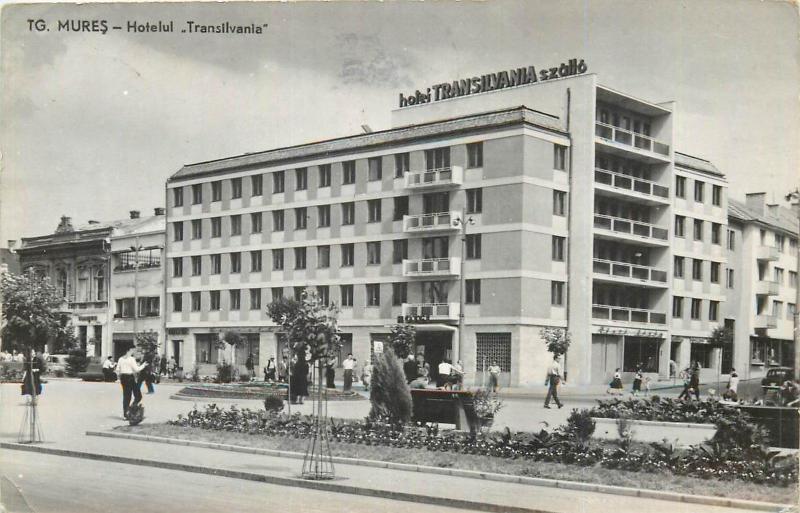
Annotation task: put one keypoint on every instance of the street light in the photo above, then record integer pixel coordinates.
(462, 222)
(794, 196)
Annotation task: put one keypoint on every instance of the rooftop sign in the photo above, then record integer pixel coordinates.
(492, 82)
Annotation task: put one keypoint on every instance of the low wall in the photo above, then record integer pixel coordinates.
(683, 434)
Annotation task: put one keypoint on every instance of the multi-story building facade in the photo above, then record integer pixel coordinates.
(761, 284)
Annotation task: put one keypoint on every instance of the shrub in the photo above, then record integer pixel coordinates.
(665, 410)
(77, 362)
(403, 339)
(580, 425)
(389, 393)
(224, 372)
(487, 403)
(273, 404)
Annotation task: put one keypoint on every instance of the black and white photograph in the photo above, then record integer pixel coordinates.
(432, 256)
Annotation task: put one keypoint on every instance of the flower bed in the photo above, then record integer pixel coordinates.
(664, 410)
(253, 391)
(732, 455)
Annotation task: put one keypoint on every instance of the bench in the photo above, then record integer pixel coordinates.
(445, 406)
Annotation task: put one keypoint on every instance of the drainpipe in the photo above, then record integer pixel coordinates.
(570, 181)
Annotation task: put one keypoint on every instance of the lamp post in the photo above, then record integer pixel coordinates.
(462, 222)
(136, 248)
(794, 196)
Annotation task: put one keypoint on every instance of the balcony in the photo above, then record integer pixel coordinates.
(768, 253)
(637, 142)
(638, 231)
(87, 305)
(631, 186)
(431, 267)
(628, 315)
(435, 178)
(624, 272)
(431, 311)
(767, 288)
(765, 321)
(441, 221)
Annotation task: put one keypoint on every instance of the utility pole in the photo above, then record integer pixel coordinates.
(794, 197)
(136, 249)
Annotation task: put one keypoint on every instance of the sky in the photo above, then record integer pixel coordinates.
(92, 125)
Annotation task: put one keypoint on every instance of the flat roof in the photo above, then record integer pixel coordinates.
(631, 103)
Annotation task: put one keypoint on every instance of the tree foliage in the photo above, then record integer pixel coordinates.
(403, 339)
(147, 343)
(557, 340)
(720, 336)
(310, 326)
(77, 362)
(389, 393)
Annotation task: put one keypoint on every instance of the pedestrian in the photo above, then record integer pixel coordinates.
(31, 379)
(348, 365)
(108, 370)
(269, 370)
(128, 367)
(694, 381)
(366, 375)
(162, 368)
(283, 370)
(732, 392)
(147, 377)
(494, 376)
(172, 366)
(457, 375)
(250, 366)
(410, 369)
(553, 381)
(685, 375)
(330, 374)
(443, 377)
(616, 387)
(637, 382)
(299, 380)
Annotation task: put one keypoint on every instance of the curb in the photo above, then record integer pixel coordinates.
(326, 486)
(472, 474)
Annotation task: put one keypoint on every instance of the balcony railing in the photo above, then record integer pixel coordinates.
(765, 321)
(630, 271)
(767, 288)
(431, 178)
(630, 183)
(86, 305)
(432, 267)
(431, 311)
(630, 315)
(430, 222)
(630, 227)
(769, 253)
(628, 138)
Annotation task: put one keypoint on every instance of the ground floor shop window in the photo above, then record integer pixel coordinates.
(493, 348)
(702, 355)
(250, 346)
(640, 353)
(206, 348)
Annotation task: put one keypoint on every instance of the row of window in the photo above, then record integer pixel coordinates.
(696, 308)
(777, 310)
(778, 276)
(699, 191)
(698, 230)
(779, 241)
(149, 306)
(697, 269)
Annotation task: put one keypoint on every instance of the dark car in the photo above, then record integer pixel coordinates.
(776, 376)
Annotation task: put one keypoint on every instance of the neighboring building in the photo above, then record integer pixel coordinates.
(137, 282)
(761, 284)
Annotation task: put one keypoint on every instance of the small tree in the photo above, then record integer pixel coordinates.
(557, 340)
(147, 343)
(403, 339)
(77, 362)
(31, 312)
(310, 326)
(720, 336)
(389, 394)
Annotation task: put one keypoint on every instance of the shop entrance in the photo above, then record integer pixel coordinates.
(435, 346)
(121, 347)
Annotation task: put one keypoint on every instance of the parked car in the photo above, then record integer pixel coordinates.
(776, 376)
(57, 364)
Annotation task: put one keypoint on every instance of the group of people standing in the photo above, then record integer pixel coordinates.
(641, 383)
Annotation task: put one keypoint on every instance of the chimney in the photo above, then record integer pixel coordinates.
(135, 214)
(772, 209)
(755, 201)
(159, 211)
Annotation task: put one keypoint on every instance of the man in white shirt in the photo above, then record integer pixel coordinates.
(445, 368)
(348, 365)
(128, 367)
(553, 380)
(108, 369)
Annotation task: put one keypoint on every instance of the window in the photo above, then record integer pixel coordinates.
(214, 299)
(399, 250)
(557, 293)
(716, 195)
(373, 211)
(698, 229)
(475, 154)
(216, 264)
(177, 197)
(195, 301)
(277, 259)
(235, 299)
(301, 179)
(729, 279)
(697, 304)
(216, 191)
(197, 266)
(780, 242)
(680, 226)
(146, 258)
(197, 228)
(793, 279)
(698, 191)
(437, 158)
(236, 188)
(790, 311)
(374, 253)
(373, 294)
(474, 201)
(677, 307)
(197, 194)
(473, 292)
(177, 231)
(716, 233)
(731, 240)
(400, 207)
(276, 293)
(399, 293)
(640, 353)
(680, 187)
(216, 227)
(401, 164)
(299, 258)
(324, 294)
(348, 172)
(559, 203)
(348, 255)
(257, 185)
(713, 310)
(255, 299)
(177, 302)
(779, 276)
(277, 220)
(324, 175)
(278, 182)
(559, 157)
(236, 225)
(177, 267)
(346, 295)
(697, 269)
(255, 261)
(124, 308)
(715, 267)
(256, 224)
(236, 262)
(323, 216)
(375, 168)
(300, 218)
(493, 348)
(323, 257)
(558, 248)
(348, 213)
(473, 246)
(678, 267)
(298, 293)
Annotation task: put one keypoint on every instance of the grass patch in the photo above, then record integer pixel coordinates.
(645, 480)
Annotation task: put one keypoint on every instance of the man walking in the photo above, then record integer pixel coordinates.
(127, 368)
(553, 380)
(348, 365)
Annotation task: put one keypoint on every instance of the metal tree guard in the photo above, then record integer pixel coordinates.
(30, 431)
(318, 460)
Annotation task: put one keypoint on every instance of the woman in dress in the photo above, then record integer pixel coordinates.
(615, 387)
(299, 380)
(637, 382)
(32, 380)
